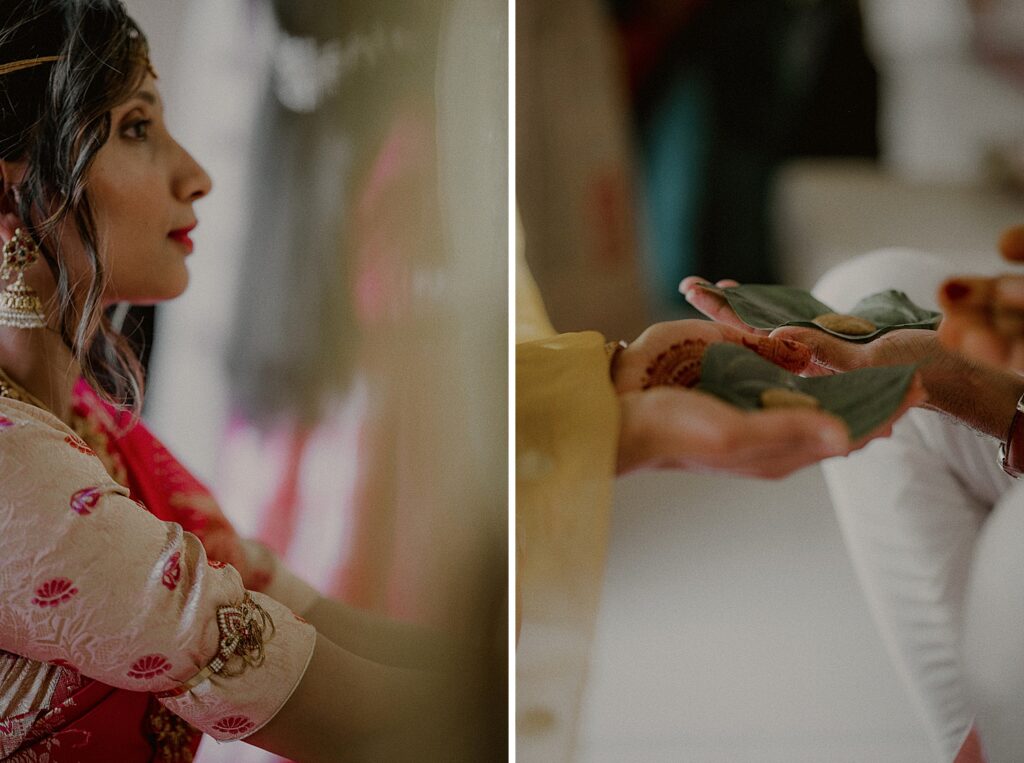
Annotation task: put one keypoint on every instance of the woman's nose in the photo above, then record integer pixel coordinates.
(193, 182)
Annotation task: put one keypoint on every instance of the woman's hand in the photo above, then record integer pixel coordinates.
(666, 425)
(670, 354)
(672, 428)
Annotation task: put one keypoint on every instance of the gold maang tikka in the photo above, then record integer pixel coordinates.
(20, 306)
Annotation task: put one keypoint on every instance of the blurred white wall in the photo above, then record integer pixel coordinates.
(208, 55)
(941, 109)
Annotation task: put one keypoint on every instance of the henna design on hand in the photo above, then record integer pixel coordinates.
(678, 366)
(785, 353)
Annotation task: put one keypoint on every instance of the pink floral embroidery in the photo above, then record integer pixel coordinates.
(5, 423)
(150, 666)
(79, 444)
(54, 592)
(233, 724)
(172, 571)
(84, 501)
(215, 564)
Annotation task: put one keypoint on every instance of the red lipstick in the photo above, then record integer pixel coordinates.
(181, 236)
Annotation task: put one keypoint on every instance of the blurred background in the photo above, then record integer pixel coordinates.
(337, 370)
(767, 141)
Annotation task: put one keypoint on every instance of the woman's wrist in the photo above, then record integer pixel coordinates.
(634, 447)
(614, 350)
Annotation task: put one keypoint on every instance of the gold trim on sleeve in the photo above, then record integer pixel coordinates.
(244, 629)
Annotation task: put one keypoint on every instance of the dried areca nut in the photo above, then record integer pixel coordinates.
(780, 397)
(846, 324)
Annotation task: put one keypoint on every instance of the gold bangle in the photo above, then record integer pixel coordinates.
(612, 351)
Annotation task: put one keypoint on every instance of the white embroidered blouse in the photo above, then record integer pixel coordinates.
(91, 582)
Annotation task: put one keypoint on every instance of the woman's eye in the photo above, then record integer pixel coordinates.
(138, 130)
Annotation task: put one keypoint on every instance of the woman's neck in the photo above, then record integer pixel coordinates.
(40, 362)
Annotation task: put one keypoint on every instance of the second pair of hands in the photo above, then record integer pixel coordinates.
(667, 424)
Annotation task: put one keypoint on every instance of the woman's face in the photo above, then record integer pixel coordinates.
(142, 186)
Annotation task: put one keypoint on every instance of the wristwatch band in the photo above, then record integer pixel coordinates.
(1011, 452)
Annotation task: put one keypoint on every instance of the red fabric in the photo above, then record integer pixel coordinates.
(159, 481)
(971, 751)
(98, 723)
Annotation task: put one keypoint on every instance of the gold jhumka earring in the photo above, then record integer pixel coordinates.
(20, 306)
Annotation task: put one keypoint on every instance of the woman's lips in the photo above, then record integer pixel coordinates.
(182, 237)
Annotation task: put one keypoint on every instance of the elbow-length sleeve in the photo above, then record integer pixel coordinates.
(92, 580)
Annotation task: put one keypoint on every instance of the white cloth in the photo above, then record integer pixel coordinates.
(910, 508)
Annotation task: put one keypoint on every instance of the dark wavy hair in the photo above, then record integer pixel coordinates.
(56, 117)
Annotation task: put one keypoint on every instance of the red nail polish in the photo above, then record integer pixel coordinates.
(955, 290)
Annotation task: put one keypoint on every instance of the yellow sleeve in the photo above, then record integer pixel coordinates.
(567, 423)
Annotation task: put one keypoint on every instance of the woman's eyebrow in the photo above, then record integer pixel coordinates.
(147, 96)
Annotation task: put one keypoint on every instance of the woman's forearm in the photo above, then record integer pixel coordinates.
(389, 642)
(347, 708)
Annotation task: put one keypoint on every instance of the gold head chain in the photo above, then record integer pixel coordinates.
(27, 63)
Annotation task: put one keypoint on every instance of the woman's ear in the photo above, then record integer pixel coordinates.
(11, 175)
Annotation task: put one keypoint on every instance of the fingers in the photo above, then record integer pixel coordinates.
(785, 353)
(691, 282)
(826, 351)
(782, 442)
(1011, 244)
(713, 305)
(814, 434)
(686, 429)
(984, 318)
(965, 293)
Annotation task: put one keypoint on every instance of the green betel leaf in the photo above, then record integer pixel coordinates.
(894, 309)
(864, 399)
(769, 307)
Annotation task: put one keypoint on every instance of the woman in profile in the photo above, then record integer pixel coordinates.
(132, 617)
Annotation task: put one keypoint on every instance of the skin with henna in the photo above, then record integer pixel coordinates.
(977, 395)
(665, 424)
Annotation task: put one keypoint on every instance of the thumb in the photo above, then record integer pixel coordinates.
(826, 350)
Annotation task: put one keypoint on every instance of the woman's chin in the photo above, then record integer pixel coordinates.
(151, 294)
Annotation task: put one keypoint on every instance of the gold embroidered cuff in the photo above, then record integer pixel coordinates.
(244, 629)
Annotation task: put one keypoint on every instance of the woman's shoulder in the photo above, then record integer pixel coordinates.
(39, 453)
(30, 419)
